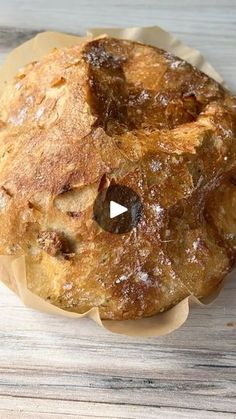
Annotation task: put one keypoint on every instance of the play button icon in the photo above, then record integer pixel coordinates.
(117, 209)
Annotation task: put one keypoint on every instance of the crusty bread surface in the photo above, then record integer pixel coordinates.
(105, 111)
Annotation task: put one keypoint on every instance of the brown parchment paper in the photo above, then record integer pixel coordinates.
(13, 269)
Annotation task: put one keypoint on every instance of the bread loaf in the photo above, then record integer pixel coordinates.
(105, 111)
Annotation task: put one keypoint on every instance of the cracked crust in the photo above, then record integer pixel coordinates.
(112, 110)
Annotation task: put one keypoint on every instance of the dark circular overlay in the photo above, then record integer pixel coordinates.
(121, 195)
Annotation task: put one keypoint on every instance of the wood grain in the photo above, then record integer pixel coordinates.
(56, 368)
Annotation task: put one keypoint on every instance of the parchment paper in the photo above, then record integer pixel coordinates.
(13, 269)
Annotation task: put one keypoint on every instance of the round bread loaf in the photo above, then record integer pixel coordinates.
(105, 111)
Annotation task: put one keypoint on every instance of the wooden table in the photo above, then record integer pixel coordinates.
(57, 368)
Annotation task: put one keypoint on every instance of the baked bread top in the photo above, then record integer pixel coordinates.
(105, 111)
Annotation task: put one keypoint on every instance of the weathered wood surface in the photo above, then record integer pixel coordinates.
(57, 368)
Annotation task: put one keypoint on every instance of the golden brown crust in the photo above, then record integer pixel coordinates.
(111, 109)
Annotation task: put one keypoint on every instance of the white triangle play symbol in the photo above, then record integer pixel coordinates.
(116, 209)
